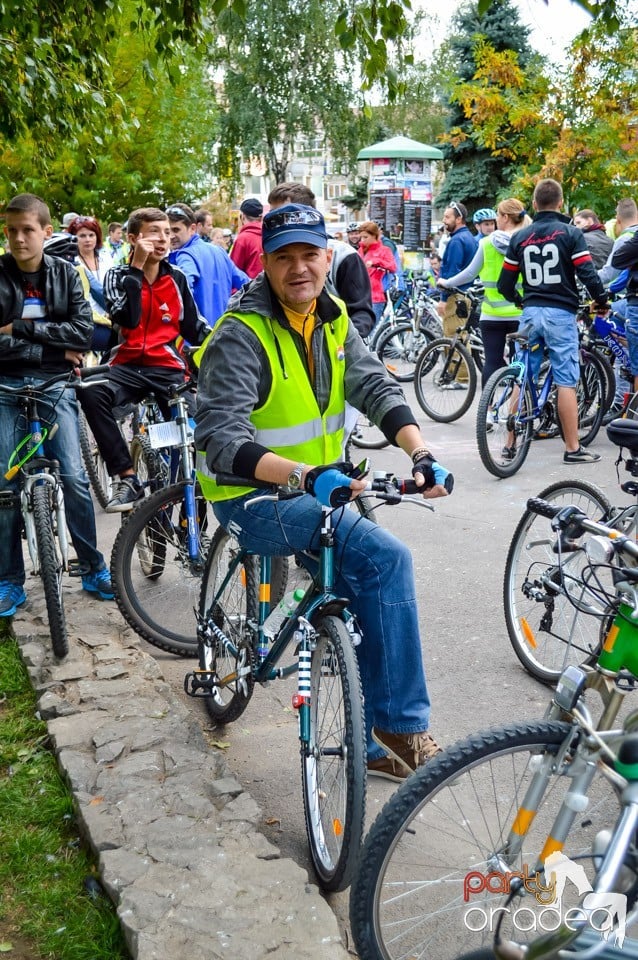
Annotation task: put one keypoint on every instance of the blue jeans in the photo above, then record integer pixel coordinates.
(378, 577)
(631, 329)
(65, 447)
(556, 328)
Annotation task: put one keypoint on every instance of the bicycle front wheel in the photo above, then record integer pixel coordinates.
(591, 395)
(229, 597)
(552, 619)
(445, 380)
(398, 350)
(50, 568)
(461, 816)
(366, 436)
(155, 578)
(504, 424)
(333, 762)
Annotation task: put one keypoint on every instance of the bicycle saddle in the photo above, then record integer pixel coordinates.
(624, 433)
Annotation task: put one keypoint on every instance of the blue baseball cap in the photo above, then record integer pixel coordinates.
(293, 223)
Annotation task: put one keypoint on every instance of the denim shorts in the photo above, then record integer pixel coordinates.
(631, 329)
(556, 329)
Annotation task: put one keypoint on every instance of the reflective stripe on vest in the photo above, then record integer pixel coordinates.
(494, 305)
(290, 423)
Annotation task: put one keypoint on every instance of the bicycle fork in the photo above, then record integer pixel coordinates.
(26, 503)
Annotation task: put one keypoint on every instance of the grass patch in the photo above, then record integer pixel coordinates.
(49, 898)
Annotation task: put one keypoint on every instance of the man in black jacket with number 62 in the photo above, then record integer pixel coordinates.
(549, 255)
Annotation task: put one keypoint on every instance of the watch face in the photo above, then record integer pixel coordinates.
(294, 479)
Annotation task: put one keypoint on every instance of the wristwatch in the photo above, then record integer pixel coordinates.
(294, 478)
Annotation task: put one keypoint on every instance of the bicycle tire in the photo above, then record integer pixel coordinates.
(451, 818)
(333, 765)
(50, 569)
(445, 380)
(497, 399)
(366, 435)
(156, 585)
(94, 463)
(545, 629)
(235, 612)
(608, 370)
(148, 464)
(399, 348)
(590, 397)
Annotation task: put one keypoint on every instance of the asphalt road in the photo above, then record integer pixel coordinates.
(474, 678)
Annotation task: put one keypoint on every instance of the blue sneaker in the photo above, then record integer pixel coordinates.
(98, 581)
(12, 596)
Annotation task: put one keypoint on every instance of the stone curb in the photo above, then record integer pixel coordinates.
(175, 834)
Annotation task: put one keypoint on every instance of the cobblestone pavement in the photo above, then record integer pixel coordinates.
(174, 832)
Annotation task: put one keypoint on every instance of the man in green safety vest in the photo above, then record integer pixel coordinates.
(274, 379)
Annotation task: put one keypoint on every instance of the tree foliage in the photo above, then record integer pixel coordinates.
(492, 56)
(119, 162)
(284, 78)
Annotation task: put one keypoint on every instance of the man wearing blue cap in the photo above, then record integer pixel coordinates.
(273, 383)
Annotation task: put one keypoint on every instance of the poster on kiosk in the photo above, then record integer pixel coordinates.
(401, 203)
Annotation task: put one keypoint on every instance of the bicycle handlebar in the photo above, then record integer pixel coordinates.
(571, 517)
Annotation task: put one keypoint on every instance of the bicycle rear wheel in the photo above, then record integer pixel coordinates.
(50, 568)
(148, 464)
(591, 394)
(452, 820)
(333, 763)
(398, 350)
(94, 465)
(551, 620)
(230, 597)
(503, 426)
(156, 582)
(445, 380)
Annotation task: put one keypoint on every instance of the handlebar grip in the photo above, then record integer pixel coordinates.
(409, 487)
(543, 508)
(86, 373)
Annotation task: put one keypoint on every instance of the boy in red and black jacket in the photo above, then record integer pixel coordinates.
(152, 306)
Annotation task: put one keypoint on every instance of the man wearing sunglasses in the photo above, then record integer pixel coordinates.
(212, 276)
(272, 389)
(459, 251)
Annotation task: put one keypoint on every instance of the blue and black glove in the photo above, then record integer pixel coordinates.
(329, 485)
(432, 471)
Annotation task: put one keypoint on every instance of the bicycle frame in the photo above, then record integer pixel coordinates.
(36, 471)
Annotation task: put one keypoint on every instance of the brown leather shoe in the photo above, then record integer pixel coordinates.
(409, 750)
(387, 769)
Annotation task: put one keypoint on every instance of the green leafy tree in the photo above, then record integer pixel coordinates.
(284, 79)
(120, 162)
(475, 173)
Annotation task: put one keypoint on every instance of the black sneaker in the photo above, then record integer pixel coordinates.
(581, 456)
(128, 490)
(508, 453)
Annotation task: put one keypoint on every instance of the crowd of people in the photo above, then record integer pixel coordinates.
(280, 312)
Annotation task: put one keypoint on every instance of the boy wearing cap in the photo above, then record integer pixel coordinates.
(273, 384)
(247, 250)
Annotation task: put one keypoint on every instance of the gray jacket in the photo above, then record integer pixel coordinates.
(235, 379)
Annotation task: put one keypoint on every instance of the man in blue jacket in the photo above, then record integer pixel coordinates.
(459, 251)
(212, 276)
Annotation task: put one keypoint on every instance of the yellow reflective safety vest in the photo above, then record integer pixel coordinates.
(290, 422)
(494, 305)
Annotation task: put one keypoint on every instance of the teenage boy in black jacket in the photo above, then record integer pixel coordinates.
(549, 255)
(46, 326)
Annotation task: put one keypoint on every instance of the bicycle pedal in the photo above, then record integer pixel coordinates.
(199, 684)
(75, 569)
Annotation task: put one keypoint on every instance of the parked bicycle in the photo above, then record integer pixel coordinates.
(42, 497)
(512, 406)
(553, 617)
(416, 325)
(445, 376)
(317, 640)
(159, 552)
(521, 840)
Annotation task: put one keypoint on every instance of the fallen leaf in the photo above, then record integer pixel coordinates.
(95, 801)
(222, 744)
(271, 821)
(6, 947)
